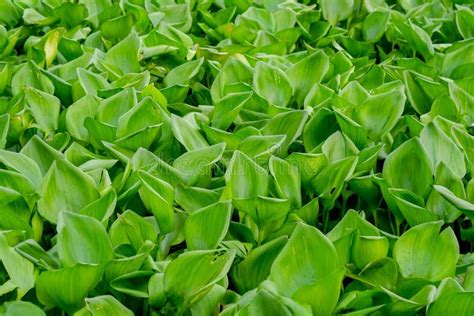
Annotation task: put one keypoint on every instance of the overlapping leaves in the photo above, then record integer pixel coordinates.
(236, 157)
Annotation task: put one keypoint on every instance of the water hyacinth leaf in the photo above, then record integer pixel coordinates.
(21, 308)
(441, 148)
(76, 115)
(117, 28)
(158, 196)
(4, 127)
(372, 116)
(459, 303)
(320, 126)
(111, 109)
(335, 11)
(383, 272)
(466, 142)
(66, 288)
(413, 158)
(464, 17)
(90, 82)
(287, 180)
(412, 207)
(314, 272)
(268, 213)
(82, 239)
(437, 203)
(234, 71)
(29, 76)
(307, 72)
(228, 108)
(424, 252)
(187, 133)
(20, 270)
(374, 25)
(245, 178)
(44, 108)
(131, 228)
(210, 303)
(182, 74)
(463, 205)
(206, 228)
(194, 198)
(266, 298)
(261, 148)
(42, 153)
(255, 268)
(65, 188)
(156, 291)
(31, 250)
(184, 286)
(352, 129)
(338, 147)
(104, 305)
(330, 181)
(289, 123)
(272, 84)
(133, 284)
(123, 57)
(196, 164)
(22, 164)
(236, 157)
(368, 249)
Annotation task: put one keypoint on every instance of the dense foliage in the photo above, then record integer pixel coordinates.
(236, 157)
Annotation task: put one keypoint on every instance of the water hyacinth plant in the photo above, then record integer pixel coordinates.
(236, 157)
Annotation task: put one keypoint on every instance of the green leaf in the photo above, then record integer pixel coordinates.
(67, 288)
(4, 127)
(123, 57)
(158, 196)
(184, 286)
(459, 303)
(287, 180)
(377, 119)
(463, 205)
(441, 148)
(65, 188)
(289, 123)
(412, 207)
(228, 108)
(184, 73)
(245, 178)
(187, 133)
(423, 252)
(205, 228)
(308, 268)
(102, 306)
(111, 109)
(44, 108)
(82, 239)
(42, 153)
(374, 25)
(20, 270)
(21, 308)
(133, 284)
(414, 160)
(272, 84)
(196, 165)
(336, 10)
(306, 73)
(368, 249)
(266, 299)
(464, 22)
(22, 164)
